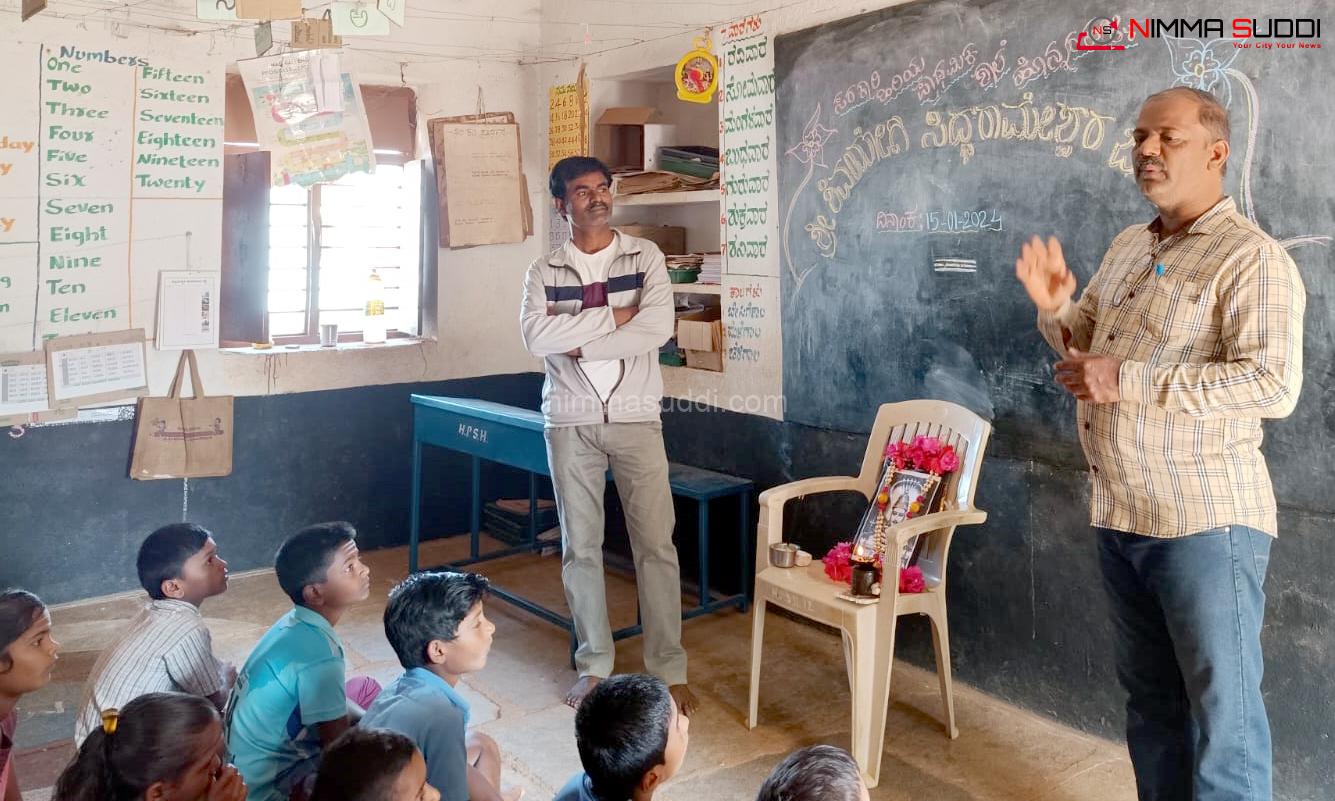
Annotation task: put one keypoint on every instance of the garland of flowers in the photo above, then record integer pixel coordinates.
(926, 454)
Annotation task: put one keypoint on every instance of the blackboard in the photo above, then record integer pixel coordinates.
(919, 145)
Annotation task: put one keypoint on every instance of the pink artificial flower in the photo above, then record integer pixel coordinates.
(911, 580)
(926, 454)
(837, 565)
(899, 453)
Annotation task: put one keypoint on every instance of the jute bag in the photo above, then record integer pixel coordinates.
(179, 437)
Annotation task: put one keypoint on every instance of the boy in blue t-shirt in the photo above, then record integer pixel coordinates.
(437, 626)
(631, 737)
(290, 701)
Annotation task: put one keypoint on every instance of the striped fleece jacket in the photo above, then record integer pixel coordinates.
(561, 314)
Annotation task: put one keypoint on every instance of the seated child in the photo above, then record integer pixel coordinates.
(167, 647)
(27, 655)
(631, 739)
(436, 625)
(373, 765)
(290, 701)
(818, 773)
(160, 746)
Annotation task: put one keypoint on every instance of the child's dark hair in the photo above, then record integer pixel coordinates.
(818, 773)
(362, 765)
(304, 558)
(572, 167)
(426, 607)
(621, 730)
(19, 610)
(153, 742)
(163, 554)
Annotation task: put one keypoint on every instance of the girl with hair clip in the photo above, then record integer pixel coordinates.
(161, 747)
(27, 655)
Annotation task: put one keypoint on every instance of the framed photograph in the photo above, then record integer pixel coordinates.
(904, 488)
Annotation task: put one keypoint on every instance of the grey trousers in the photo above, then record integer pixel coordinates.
(579, 457)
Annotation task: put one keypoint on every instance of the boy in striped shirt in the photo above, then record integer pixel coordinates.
(167, 647)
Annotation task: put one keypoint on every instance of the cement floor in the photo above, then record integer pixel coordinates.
(1003, 753)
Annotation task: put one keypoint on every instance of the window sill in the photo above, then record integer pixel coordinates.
(342, 347)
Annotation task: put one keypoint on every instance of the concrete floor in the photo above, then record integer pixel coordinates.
(1003, 753)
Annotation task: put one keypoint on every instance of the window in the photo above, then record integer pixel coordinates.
(295, 258)
(325, 242)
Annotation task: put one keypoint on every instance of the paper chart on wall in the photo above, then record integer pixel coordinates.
(96, 367)
(188, 311)
(110, 171)
(750, 184)
(22, 386)
(567, 135)
(568, 120)
(481, 167)
(311, 138)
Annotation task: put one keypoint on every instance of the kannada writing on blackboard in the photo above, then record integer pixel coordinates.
(1069, 128)
(943, 221)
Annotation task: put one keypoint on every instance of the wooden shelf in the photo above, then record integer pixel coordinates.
(668, 198)
(697, 289)
(691, 370)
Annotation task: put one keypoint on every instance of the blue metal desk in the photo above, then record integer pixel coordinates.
(512, 436)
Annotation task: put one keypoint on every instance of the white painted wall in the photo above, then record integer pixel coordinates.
(479, 288)
(626, 36)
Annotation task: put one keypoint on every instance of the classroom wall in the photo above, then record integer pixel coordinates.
(72, 519)
(64, 486)
(478, 288)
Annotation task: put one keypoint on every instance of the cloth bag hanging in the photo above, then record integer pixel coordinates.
(178, 437)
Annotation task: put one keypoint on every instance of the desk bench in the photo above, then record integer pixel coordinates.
(512, 436)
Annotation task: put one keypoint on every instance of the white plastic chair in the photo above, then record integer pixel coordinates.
(869, 631)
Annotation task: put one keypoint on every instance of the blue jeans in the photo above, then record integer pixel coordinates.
(1187, 616)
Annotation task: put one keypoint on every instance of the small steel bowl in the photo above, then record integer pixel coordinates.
(783, 554)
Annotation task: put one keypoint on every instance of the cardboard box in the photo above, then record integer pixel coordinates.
(628, 138)
(671, 239)
(705, 360)
(700, 331)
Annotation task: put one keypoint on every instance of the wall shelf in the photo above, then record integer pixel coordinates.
(690, 371)
(697, 289)
(668, 198)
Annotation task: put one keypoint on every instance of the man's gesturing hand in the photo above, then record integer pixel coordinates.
(1042, 270)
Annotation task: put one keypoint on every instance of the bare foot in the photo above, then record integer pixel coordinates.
(686, 700)
(582, 688)
(513, 794)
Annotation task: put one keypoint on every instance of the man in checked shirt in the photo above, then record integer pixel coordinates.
(1189, 335)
